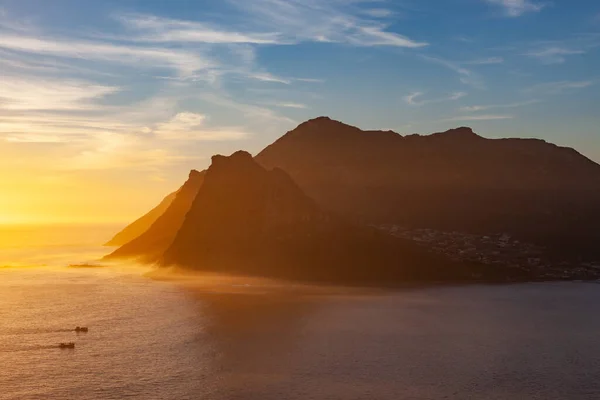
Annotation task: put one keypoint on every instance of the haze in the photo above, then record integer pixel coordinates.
(105, 106)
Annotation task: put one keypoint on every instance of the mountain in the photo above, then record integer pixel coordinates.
(253, 221)
(142, 224)
(153, 242)
(449, 181)
(453, 180)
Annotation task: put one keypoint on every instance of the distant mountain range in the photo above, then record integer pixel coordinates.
(325, 171)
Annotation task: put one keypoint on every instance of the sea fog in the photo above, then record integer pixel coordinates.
(225, 338)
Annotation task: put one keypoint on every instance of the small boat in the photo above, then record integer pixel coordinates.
(81, 329)
(69, 345)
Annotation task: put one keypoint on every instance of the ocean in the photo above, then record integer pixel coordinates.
(236, 338)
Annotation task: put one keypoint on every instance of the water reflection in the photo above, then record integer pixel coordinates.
(254, 338)
(249, 340)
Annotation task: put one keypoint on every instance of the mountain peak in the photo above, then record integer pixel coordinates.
(463, 132)
(322, 121)
(239, 158)
(322, 118)
(194, 174)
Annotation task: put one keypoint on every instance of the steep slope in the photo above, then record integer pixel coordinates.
(247, 220)
(159, 236)
(142, 224)
(454, 180)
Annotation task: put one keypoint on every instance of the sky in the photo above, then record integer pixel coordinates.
(106, 105)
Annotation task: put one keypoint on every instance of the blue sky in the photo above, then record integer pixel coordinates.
(133, 93)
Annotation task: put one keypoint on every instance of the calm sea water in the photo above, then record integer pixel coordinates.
(250, 340)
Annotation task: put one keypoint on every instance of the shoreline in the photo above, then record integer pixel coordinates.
(199, 279)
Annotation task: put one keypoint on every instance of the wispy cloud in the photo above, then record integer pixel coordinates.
(267, 77)
(252, 112)
(467, 76)
(114, 151)
(288, 105)
(464, 39)
(516, 8)
(454, 66)
(486, 61)
(496, 106)
(309, 80)
(490, 117)
(412, 98)
(553, 55)
(319, 21)
(191, 126)
(275, 22)
(378, 12)
(17, 93)
(149, 28)
(559, 87)
(185, 62)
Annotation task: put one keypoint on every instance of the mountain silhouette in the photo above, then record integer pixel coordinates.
(142, 224)
(449, 181)
(248, 220)
(153, 242)
(453, 180)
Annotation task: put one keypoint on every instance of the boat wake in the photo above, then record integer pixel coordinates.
(29, 348)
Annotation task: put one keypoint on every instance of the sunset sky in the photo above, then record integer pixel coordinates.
(106, 105)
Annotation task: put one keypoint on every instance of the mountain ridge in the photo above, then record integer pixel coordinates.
(455, 180)
(249, 220)
(159, 235)
(452, 180)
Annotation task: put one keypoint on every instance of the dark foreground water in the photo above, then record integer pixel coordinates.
(161, 340)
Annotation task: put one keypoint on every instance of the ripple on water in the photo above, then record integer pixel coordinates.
(158, 340)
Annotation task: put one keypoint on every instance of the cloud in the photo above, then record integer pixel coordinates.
(466, 76)
(275, 22)
(553, 55)
(516, 8)
(490, 117)
(17, 63)
(150, 28)
(17, 93)
(464, 39)
(486, 61)
(448, 64)
(190, 126)
(319, 21)
(558, 87)
(114, 151)
(493, 106)
(289, 105)
(184, 62)
(18, 25)
(378, 12)
(309, 80)
(34, 138)
(267, 77)
(412, 98)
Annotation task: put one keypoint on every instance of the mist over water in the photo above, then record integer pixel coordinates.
(52, 245)
(223, 338)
